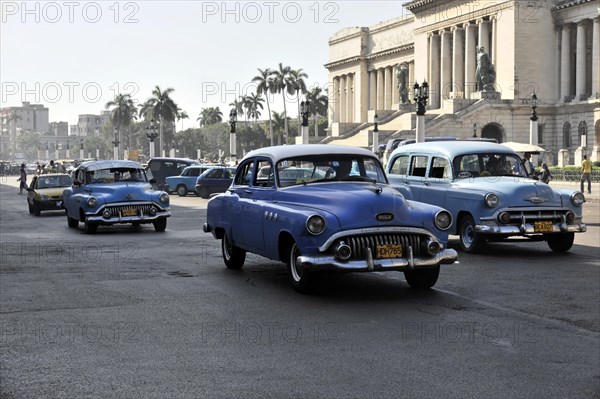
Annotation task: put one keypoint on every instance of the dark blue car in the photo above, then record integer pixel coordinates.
(215, 180)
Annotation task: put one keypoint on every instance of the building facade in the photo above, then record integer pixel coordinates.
(91, 125)
(550, 48)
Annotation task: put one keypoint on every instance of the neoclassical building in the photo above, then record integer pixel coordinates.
(547, 47)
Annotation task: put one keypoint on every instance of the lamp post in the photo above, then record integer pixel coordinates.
(474, 130)
(47, 151)
(152, 134)
(376, 134)
(533, 124)
(305, 108)
(232, 137)
(172, 154)
(116, 146)
(68, 155)
(81, 156)
(421, 96)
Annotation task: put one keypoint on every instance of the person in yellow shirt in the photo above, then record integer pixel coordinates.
(586, 174)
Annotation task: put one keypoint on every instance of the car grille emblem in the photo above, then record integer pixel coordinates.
(536, 200)
(129, 196)
(385, 217)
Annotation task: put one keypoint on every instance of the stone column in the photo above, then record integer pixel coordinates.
(458, 62)
(580, 63)
(343, 101)
(565, 63)
(380, 89)
(350, 98)
(484, 35)
(493, 44)
(411, 80)
(434, 71)
(470, 58)
(446, 64)
(596, 58)
(387, 75)
(372, 90)
(336, 99)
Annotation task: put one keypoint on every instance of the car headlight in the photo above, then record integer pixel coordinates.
(577, 198)
(92, 202)
(443, 220)
(164, 198)
(491, 200)
(315, 224)
(44, 197)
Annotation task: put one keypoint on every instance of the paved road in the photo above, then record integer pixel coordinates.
(132, 313)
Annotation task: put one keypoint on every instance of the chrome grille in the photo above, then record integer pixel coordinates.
(115, 210)
(555, 216)
(359, 244)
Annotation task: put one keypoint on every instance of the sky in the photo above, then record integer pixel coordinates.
(75, 56)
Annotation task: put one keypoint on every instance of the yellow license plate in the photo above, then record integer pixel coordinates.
(542, 227)
(129, 212)
(387, 251)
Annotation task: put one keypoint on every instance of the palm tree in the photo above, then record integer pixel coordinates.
(281, 84)
(254, 103)
(265, 86)
(162, 108)
(318, 105)
(181, 115)
(12, 119)
(279, 123)
(238, 106)
(210, 116)
(246, 102)
(122, 115)
(299, 86)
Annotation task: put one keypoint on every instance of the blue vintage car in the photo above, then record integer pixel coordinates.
(185, 182)
(214, 180)
(486, 188)
(343, 216)
(111, 192)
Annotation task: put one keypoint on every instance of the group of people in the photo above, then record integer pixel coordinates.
(545, 176)
(50, 168)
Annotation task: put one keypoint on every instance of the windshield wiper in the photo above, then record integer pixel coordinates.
(359, 178)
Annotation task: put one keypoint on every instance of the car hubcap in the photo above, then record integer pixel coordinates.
(226, 248)
(295, 270)
(468, 235)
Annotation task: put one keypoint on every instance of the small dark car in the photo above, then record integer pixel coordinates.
(215, 180)
(160, 168)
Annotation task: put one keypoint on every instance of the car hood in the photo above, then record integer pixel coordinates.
(355, 205)
(51, 191)
(513, 191)
(123, 192)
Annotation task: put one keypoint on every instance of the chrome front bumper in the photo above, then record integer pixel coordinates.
(128, 219)
(528, 229)
(328, 262)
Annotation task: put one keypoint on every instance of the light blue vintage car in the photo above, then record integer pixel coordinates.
(111, 192)
(342, 216)
(486, 188)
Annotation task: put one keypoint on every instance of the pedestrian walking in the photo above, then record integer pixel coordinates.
(23, 179)
(545, 176)
(586, 174)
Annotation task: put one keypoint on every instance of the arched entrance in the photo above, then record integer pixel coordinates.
(493, 131)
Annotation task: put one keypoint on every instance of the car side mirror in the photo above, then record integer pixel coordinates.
(29, 189)
(152, 181)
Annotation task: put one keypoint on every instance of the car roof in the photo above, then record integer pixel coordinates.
(173, 159)
(277, 153)
(107, 164)
(453, 148)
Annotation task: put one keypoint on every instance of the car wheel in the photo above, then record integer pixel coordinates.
(73, 223)
(90, 227)
(422, 279)
(560, 242)
(233, 256)
(30, 207)
(182, 191)
(160, 224)
(470, 241)
(301, 278)
(36, 209)
(204, 193)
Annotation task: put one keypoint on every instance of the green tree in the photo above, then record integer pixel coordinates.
(12, 119)
(254, 103)
(265, 87)
(28, 143)
(122, 115)
(210, 116)
(279, 124)
(281, 84)
(162, 108)
(319, 102)
(298, 84)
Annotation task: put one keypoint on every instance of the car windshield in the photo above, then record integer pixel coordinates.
(53, 181)
(488, 164)
(328, 167)
(116, 175)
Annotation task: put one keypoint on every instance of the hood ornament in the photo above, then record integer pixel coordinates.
(536, 200)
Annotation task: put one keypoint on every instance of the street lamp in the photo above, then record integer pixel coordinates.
(533, 124)
(305, 112)
(152, 134)
(116, 145)
(232, 137)
(421, 96)
(376, 134)
(474, 130)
